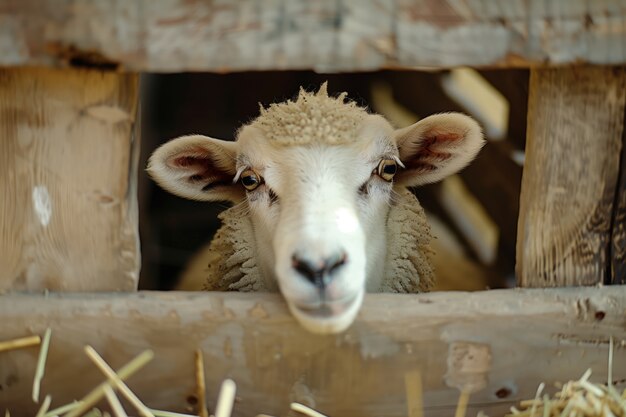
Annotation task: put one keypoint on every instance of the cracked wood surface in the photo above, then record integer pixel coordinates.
(499, 344)
(327, 35)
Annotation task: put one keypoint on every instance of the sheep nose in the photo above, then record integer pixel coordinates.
(319, 273)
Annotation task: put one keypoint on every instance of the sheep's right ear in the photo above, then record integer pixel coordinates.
(197, 167)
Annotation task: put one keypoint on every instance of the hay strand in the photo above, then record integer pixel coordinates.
(44, 406)
(536, 400)
(307, 411)
(610, 363)
(117, 382)
(161, 413)
(226, 398)
(201, 385)
(461, 406)
(123, 373)
(41, 364)
(20, 343)
(63, 409)
(114, 402)
(414, 400)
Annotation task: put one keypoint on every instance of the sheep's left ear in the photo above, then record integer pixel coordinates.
(198, 168)
(436, 147)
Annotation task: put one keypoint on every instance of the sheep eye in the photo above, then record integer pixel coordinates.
(387, 169)
(250, 179)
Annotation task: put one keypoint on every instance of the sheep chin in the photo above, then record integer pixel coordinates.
(331, 324)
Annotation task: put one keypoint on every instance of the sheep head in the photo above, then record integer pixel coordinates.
(317, 176)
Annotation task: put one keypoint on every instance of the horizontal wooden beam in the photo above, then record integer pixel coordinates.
(498, 344)
(327, 35)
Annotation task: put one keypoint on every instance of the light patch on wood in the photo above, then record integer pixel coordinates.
(42, 204)
(258, 312)
(109, 114)
(469, 365)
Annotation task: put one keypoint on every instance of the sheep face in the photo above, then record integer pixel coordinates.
(318, 177)
(319, 213)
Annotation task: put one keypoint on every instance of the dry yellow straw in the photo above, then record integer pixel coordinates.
(114, 402)
(610, 364)
(161, 413)
(303, 409)
(94, 412)
(579, 398)
(44, 406)
(119, 384)
(537, 396)
(414, 401)
(41, 364)
(62, 410)
(201, 385)
(123, 373)
(461, 407)
(226, 398)
(20, 343)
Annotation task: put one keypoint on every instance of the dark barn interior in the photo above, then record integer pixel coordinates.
(173, 229)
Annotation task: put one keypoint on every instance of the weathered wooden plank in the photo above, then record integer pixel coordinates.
(327, 35)
(575, 120)
(67, 180)
(499, 344)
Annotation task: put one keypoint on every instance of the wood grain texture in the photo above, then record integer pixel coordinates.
(479, 341)
(327, 35)
(618, 231)
(68, 215)
(575, 121)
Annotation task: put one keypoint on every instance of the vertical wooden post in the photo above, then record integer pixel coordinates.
(574, 140)
(618, 233)
(67, 169)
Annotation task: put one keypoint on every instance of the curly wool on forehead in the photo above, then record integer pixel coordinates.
(311, 118)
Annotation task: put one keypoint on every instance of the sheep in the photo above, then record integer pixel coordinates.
(322, 211)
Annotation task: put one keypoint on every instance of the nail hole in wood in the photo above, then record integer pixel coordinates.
(503, 392)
